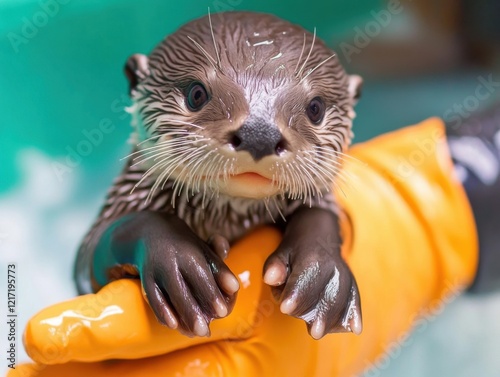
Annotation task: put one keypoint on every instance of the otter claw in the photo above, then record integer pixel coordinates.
(355, 325)
(352, 320)
(220, 245)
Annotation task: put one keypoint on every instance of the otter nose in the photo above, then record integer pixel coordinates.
(259, 138)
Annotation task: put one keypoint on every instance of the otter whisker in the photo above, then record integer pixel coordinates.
(308, 55)
(163, 150)
(216, 168)
(305, 167)
(187, 160)
(336, 170)
(178, 142)
(306, 188)
(155, 157)
(225, 170)
(304, 191)
(222, 168)
(313, 188)
(183, 139)
(168, 165)
(213, 37)
(197, 166)
(163, 120)
(288, 184)
(171, 149)
(315, 68)
(312, 166)
(173, 138)
(339, 153)
(333, 158)
(266, 204)
(337, 162)
(198, 172)
(278, 177)
(149, 139)
(136, 152)
(296, 190)
(175, 163)
(341, 179)
(170, 132)
(345, 158)
(204, 171)
(208, 164)
(301, 190)
(300, 56)
(155, 184)
(204, 52)
(336, 176)
(278, 208)
(165, 177)
(186, 166)
(340, 188)
(297, 180)
(146, 175)
(323, 162)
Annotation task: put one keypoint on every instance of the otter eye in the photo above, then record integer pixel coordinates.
(315, 110)
(197, 96)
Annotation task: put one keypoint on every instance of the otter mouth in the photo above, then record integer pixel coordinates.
(250, 185)
(252, 178)
(247, 176)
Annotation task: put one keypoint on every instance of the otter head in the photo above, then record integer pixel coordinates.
(246, 105)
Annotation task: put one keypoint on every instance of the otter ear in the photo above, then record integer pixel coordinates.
(136, 70)
(354, 88)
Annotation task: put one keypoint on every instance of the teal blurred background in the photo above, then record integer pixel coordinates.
(64, 129)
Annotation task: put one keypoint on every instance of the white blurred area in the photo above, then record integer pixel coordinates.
(41, 225)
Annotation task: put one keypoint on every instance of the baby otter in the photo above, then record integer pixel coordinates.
(238, 123)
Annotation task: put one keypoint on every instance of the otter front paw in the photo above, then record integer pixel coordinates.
(316, 285)
(186, 283)
(310, 278)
